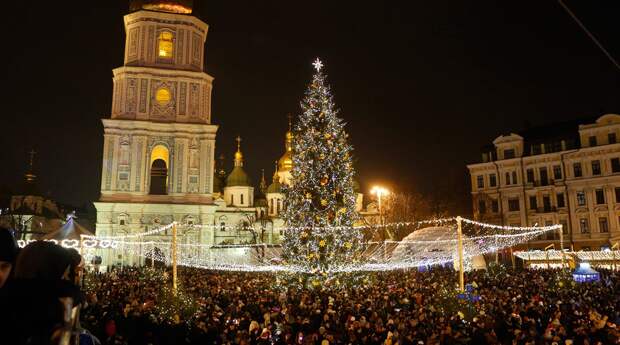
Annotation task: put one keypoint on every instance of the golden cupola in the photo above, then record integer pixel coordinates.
(238, 176)
(286, 161)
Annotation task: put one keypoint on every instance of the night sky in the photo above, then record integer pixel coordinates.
(422, 84)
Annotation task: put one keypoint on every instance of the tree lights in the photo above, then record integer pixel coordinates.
(320, 204)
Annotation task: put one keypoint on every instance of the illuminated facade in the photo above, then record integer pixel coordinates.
(566, 173)
(159, 142)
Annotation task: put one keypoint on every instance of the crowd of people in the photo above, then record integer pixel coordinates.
(514, 307)
(133, 305)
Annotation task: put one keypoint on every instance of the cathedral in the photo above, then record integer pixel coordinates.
(159, 145)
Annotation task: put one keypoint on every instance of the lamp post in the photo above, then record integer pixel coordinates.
(380, 192)
(613, 255)
(174, 258)
(459, 233)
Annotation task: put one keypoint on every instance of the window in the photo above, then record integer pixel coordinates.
(547, 203)
(557, 172)
(507, 178)
(123, 176)
(232, 199)
(596, 167)
(533, 203)
(241, 196)
(165, 44)
(611, 138)
(530, 175)
(617, 190)
(121, 222)
(492, 180)
(514, 177)
(603, 226)
(494, 206)
(564, 224)
(600, 197)
(509, 153)
(482, 207)
(271, 206)
(279, 205)
(592, 141)
(577, 169)
(513, 204)
(581, 198)
(583, 226)
(536, 149)
(615, 165)
(544, 178)
(560, 199)
(222, 226)
(480, 181)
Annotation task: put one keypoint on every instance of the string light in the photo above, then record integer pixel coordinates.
(415, 250)
(602, 255)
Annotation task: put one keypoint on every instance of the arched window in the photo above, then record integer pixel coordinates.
(271, 206)
(123, 219)
(159, 176)
(222, 220)
(165, 44)
(159, 170)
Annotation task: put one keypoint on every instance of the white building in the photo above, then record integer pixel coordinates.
(566, 173)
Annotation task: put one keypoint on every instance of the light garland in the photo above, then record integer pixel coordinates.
(142, 234)
(374, 256)
(602, 255)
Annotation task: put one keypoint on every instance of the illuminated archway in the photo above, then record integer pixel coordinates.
(159, 164)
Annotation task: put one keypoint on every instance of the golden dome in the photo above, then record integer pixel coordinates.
(170, 6)
(285, 163)
(238, 154)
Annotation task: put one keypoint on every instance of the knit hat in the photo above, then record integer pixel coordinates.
(8, 246)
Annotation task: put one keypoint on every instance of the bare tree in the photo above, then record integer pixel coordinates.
(258, 235)
(403, 207)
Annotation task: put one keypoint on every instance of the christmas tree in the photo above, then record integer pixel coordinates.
(320, 202)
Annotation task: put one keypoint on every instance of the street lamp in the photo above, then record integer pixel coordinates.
(380, 192)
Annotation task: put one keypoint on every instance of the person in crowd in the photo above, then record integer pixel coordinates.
(8, 253)
(43, 295)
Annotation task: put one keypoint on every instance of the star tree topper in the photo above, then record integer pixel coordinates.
(317, 64)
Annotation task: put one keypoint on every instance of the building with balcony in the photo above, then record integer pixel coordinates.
(566, 173)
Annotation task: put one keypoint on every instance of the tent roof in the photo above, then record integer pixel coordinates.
(584, 270)
(70, 231)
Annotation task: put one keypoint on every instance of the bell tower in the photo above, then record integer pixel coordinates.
(159, 141)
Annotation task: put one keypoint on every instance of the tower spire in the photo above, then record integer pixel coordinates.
(238, 154)
(222, 170)
(275, 173)
(30, 176)
(290, 122)
(263, 184)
